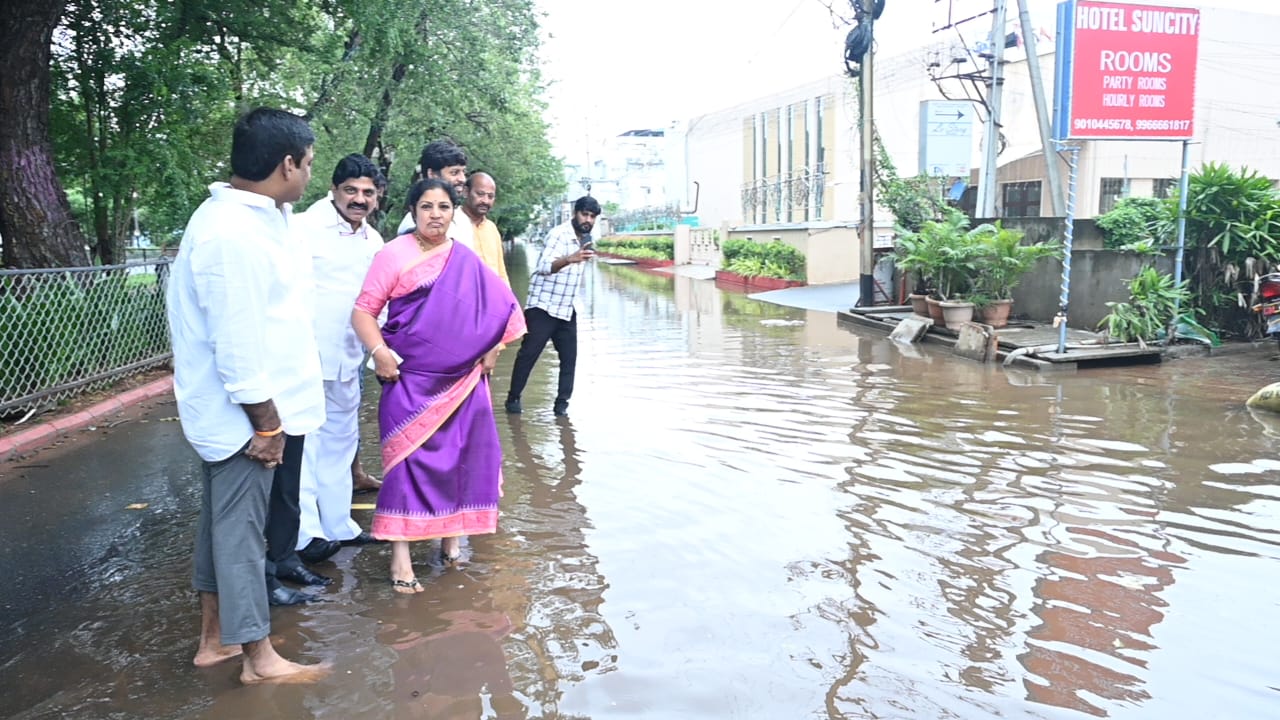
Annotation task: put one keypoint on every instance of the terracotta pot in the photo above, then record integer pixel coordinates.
(935, 311)
(996, 314)
(955, 314)
(919, 304)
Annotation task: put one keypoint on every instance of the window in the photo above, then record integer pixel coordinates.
(1111, 190)
(1164, 188)
(1021, 199)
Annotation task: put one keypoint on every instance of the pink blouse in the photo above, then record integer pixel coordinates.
(389, 276)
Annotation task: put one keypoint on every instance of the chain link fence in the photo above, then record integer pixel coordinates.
(67, 331)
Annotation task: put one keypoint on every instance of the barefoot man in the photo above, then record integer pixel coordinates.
(247, 378)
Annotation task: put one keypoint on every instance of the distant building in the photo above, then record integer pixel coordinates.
(789, 162)
(627, 169)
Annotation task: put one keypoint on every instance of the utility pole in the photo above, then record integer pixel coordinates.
(991, 140)
(866, 138)
(1052, 172)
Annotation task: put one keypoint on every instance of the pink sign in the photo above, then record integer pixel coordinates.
(1129, 71)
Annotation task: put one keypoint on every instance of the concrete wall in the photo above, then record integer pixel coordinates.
(1087, 236)
(831, 252)
(1097, 277)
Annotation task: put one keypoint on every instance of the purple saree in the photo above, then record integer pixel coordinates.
(442, 464)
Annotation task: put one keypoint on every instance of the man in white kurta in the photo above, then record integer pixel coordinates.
(342, 246)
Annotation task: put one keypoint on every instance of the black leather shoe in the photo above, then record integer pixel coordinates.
(363, 538)
(282, 596)
(319, 550)
(561, 408)
(513, 407)
(303, 576)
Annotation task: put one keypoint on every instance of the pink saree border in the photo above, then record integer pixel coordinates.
(409, 437)
(420, 526)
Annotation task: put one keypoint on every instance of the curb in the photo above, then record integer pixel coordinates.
(45, 433)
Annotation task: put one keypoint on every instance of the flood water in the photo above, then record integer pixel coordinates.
(751, 512)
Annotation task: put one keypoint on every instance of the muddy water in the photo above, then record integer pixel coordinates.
(753, 513)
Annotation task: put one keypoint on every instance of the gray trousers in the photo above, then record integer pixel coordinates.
(231, 549)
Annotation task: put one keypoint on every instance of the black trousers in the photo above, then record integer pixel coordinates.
(563, 335)
(283, 513)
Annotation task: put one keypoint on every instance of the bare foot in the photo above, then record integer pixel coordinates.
(210, 656)
(450, 549)
(283, 672)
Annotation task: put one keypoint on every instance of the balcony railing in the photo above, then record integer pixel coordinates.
(795, 196)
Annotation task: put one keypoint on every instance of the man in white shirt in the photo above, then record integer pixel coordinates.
(447, 161)
(247, 382)
(551, 310)
(342, 245)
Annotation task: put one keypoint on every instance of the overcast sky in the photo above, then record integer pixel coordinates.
(622, 64)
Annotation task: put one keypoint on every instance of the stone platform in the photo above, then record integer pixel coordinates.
(1031, 344)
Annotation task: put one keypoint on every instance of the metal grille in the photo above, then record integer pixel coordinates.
(793, 197)
(650, 218)
(67, 331)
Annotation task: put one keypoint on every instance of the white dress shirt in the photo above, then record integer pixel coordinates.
(240, 318)
(340, 258)
(460, 228)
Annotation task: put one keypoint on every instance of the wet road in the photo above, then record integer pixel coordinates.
(751, 513)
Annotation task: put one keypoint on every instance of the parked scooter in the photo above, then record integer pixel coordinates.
(1268, 295)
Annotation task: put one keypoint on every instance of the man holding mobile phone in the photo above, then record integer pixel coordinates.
(551, 310)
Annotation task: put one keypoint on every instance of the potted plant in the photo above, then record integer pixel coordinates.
(942, 253)
(1001, 262)
(912, 258)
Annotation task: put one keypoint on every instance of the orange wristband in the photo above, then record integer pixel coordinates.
(269, 433)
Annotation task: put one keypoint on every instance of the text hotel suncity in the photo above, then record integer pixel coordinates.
(1133, 71)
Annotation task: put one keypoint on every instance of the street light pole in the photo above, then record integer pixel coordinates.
(866, 136)
(991, 140)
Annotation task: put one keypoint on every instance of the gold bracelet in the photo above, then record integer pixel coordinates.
(269, 433)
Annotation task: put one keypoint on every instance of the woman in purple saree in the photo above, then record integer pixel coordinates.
(447, 317)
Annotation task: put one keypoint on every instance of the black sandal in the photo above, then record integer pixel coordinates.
(413, 585)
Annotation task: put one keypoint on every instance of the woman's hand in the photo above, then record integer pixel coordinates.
(490, 360)
(385, 366)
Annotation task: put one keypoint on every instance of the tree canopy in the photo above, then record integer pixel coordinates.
(143, 94)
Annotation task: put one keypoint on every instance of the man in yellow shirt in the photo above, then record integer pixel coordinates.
(482, 191)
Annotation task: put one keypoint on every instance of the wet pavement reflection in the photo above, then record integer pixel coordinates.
(751, 512)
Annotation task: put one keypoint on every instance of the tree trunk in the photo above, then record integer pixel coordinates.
(379, 121)
(39, 229)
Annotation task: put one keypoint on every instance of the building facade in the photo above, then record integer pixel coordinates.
(790, 162)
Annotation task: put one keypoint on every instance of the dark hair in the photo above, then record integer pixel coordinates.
(441, 154)
(422, 186)
(263, 137)
(354, 166)
(586, 203)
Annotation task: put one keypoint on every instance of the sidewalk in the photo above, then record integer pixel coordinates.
(46, 433)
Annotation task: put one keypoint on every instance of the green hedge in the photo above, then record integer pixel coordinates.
(655, 247)
(774, 259)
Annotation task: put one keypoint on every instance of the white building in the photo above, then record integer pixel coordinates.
(787, 165)
(627, 169)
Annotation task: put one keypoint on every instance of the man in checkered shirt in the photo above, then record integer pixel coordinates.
(551, 311)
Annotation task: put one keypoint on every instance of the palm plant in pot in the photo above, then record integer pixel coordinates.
(943, 253)
(1002, 261)
(912, 255)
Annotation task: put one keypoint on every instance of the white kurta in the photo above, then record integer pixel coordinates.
(339, 258)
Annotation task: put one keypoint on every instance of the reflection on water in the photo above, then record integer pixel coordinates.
(755, 513)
